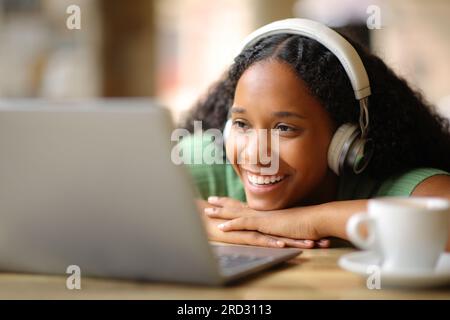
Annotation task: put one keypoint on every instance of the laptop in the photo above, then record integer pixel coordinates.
(92, 184)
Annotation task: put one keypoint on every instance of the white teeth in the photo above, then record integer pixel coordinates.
(254, 179)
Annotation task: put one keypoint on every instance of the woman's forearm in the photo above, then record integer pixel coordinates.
(304, 222)
(332, 217)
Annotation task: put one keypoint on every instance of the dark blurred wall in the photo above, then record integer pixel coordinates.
(128, 48)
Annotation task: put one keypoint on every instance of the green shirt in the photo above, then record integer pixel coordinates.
(220, 179)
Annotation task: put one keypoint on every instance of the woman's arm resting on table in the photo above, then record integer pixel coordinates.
(314, 222)
(309, 222)
(250, 237)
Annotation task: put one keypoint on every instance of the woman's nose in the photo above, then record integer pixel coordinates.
(257, 147)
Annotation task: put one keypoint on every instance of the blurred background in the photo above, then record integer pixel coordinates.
(175, 49)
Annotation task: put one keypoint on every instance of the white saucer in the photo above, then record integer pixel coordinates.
(361, 261)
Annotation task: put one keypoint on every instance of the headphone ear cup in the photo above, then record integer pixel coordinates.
(227, 130)
(359, 155)
(340, 144)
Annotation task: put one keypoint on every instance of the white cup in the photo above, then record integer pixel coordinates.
(409, 234)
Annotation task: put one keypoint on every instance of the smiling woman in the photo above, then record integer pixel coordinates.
(295, 86)
(270, 94)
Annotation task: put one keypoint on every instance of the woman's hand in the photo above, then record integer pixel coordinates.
(247, 237)
(264, 228)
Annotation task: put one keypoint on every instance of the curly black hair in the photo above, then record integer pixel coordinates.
(406, 131)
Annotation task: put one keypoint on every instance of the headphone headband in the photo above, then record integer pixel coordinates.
(329, 38)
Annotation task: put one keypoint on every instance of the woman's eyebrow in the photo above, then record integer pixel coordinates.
(287, 114)
(237, 110)
(278, 114)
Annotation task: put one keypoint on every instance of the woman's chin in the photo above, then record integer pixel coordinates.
(264, 204)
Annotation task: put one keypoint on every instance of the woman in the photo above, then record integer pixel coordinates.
(294, 86)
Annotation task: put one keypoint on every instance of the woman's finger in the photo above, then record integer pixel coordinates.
(226, 202)
(242, 223)
(323, 243)
(240, 237)
(306, 244)
(254, 239)
(296, 243)
(226, 213)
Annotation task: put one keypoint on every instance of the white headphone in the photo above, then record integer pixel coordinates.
(349, 149)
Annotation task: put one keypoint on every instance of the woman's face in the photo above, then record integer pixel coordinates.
(269, 95)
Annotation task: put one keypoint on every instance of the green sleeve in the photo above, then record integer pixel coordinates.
(213, 177)
(405, 183)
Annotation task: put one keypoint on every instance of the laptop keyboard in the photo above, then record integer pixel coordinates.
(227, 261)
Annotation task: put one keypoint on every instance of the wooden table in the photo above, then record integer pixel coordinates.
(312, 275)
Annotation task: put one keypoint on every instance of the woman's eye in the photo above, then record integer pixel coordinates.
(284, 128)
(239, 124)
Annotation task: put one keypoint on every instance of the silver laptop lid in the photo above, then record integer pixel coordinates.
(91, 184)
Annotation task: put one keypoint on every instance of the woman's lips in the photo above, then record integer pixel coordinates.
(262, 184)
